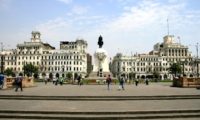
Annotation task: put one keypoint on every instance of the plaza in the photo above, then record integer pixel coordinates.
(154, 101)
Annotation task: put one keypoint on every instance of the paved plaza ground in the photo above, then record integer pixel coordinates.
(153, 89)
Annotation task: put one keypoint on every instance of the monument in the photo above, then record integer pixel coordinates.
(101, 65)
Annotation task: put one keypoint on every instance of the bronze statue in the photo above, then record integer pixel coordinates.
(100, 41)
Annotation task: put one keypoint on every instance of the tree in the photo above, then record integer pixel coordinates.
(175, 69)
(156, 75)
(75, 75)
(43, 74)
(29, 69)
(20, 74)
(69, 75)
(9, 72)
(165, 76)
(131, 75)
(35, 75)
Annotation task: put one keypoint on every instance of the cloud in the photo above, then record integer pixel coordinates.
(145, 14)
(66, 1)
(5, 4)
(79, 10)
(136, 29)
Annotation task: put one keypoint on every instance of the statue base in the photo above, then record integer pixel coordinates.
(95, 79)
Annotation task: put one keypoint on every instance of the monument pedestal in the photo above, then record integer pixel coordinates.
(101, 66)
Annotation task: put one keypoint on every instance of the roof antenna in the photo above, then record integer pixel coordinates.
(167, 26)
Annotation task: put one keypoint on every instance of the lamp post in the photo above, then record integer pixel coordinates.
(63, 69)
(184, 61)
(2, 56)
(24, 68)
(197, 59)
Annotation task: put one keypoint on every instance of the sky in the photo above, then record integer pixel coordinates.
(127, 26)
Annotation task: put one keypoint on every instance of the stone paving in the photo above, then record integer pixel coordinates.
(154, 89)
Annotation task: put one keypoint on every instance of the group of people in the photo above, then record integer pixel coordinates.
(58, 80)
(122, 82)
(17, 83)
(79, 80)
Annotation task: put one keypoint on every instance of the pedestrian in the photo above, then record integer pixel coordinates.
(122, 81)
(61, 80)
(108, 81)
(18, 83)
(79, 79)
(136, 82)
(1, 81)
(54, 80)
(147, 81)
(45, 80)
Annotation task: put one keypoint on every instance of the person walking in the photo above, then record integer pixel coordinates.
(45, 80)
(18, 83)
(79, 80)
(54, 80)
(108, 81)
(122, 81)
(1, 81)
(147, 81)
(61, 80)
(136, 82)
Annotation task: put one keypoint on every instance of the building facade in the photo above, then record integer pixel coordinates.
(71, 57)
(156, 61)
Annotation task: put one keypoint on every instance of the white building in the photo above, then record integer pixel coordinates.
(71, 57)
(155, 62)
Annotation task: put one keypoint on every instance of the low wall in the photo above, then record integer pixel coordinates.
(26, 82)
(186, 82)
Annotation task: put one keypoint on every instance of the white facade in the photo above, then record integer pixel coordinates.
(72, 56)
(156, 61)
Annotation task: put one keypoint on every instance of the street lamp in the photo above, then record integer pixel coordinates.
(63, 69)
(24, 67)
(197, 62)
(2, 62)
(2, 58)
(197, 48)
